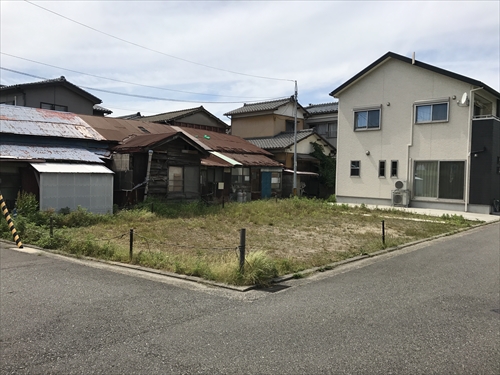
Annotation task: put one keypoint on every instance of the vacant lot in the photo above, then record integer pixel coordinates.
(282, 237)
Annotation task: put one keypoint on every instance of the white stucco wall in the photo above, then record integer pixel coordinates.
(395, 86)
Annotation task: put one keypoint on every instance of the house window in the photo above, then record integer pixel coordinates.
(394, 168)
(355, 167)
(436, 112)
(381, 168)
(175, 179)
(439, 179)
(290, 125)
(240, 175)
(54, 107)
(276, 180)
(367, 119)
(328, 130)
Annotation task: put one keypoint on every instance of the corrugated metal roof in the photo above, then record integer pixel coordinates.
(114, 129)
(281, 140)
(224, 142)
(137, 142)
(29, 152)
(171, 115)
(323, 108)
(227, 159)
(70, 168)
(251, 160)
(177, 116)
(45, 123)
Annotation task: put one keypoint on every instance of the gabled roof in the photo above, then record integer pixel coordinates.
(281, 140)
(115, 130)
(262, 106)
(45, 123)
(316, 109)
(183, 113)
(98, 108)
(435, 69)
(133, 116)
(221, 142)
(61, 81)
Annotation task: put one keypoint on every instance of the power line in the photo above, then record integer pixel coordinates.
(156, 51)
(130, 95)
(126, 82)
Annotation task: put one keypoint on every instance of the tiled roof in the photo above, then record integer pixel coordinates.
(98, 108)
(133, 116)
(61, 80)
(258, 107)
(281, 140)
(314, 109)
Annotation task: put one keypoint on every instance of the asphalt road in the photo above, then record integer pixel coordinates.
(433, 308)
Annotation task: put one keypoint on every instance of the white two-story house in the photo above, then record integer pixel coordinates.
(417, 135)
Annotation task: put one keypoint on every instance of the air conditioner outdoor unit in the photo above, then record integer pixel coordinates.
(400, 185)
(400, 198)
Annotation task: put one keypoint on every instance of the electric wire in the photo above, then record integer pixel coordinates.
(156, 51)
(132, 95)
(126, 82)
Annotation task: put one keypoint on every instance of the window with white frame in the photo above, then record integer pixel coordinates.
(365, 119)
(439, 179)
(355, 168)
(329, 130)
(431, 112)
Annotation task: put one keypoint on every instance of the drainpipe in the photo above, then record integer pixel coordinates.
(409, 167)
(469, 146)
(150, 157)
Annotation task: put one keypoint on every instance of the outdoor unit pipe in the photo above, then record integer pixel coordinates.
(150, 157)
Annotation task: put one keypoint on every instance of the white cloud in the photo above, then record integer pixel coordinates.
(320, 44)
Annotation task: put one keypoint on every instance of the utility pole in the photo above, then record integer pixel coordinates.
(295, 141)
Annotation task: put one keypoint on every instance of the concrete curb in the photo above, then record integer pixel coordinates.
(274, 281)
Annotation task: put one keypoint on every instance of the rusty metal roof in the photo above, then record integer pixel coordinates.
(116, 130)
(220, 159)
(180, 114)
(224, 142)
(42, 122)
(30, 152)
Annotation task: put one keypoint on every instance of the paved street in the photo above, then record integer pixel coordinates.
(433, 308)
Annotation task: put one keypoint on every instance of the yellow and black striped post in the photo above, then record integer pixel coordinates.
(10, 223)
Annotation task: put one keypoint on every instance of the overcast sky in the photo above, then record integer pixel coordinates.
(183, 54)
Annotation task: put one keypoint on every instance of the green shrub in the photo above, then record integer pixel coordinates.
(259, 269)
(26, 204)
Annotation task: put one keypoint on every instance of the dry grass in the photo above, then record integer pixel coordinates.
(292, 234)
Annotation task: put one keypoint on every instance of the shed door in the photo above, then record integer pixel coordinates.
(265, 184)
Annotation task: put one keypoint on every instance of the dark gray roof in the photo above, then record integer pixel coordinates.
(315, 109)
(435, 69)
(98, 108)
(262, 106)
(56, 81)
(281, 140)
(133, 116)
(180, 114)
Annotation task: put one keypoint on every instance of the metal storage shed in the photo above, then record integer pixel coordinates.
(73, 185)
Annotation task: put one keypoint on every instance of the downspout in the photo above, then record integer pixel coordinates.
(469, 147)
(150, 157)
(409, 169)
